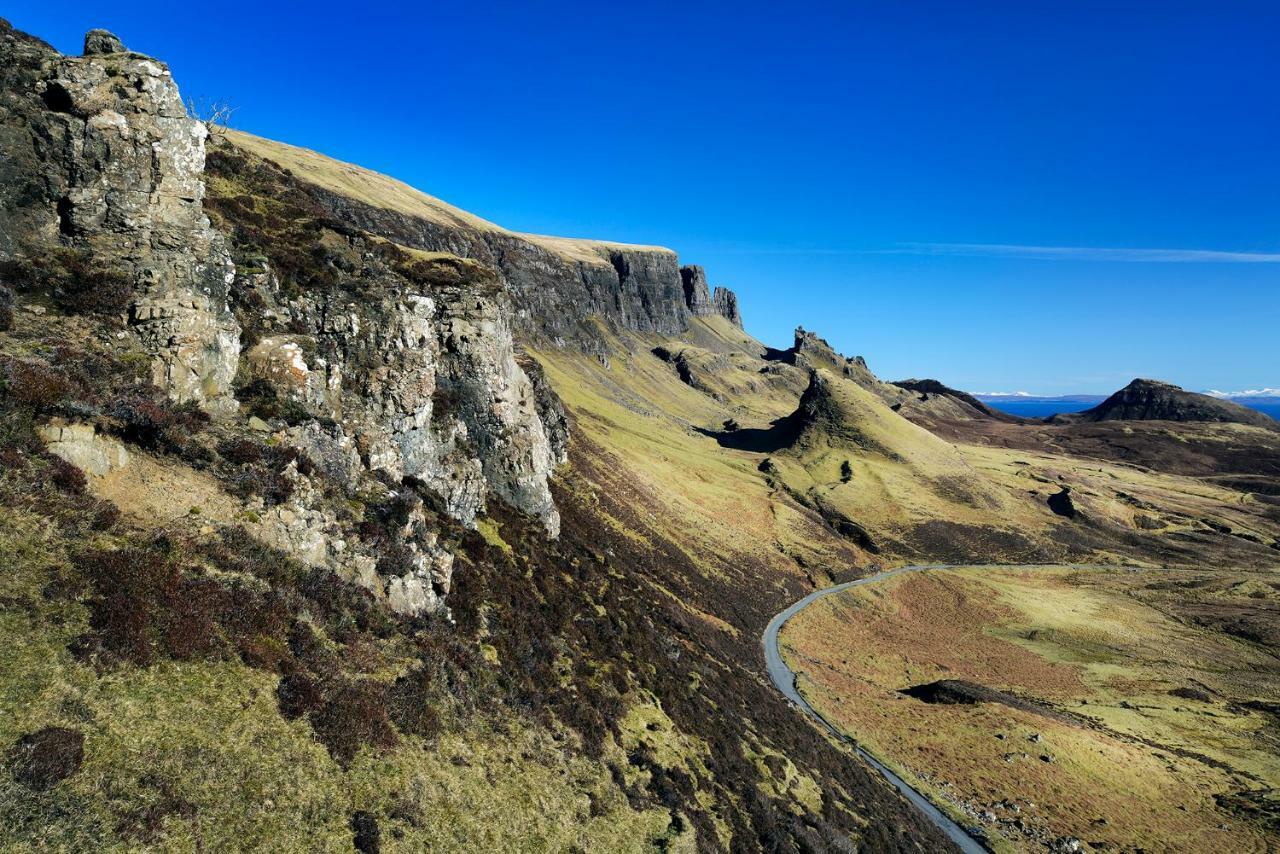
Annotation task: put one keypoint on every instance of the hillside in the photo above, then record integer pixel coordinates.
(336, 516)
(1152, 400)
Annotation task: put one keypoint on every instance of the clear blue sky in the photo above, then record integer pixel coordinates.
(849, 169)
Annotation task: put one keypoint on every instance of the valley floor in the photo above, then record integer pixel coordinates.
(1123, 708)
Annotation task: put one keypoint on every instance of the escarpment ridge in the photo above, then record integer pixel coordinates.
(555, 283)
(350, 296)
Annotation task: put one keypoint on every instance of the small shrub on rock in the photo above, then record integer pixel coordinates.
(298, 694)
(66, 476)
(42, 759)
(154, 423)
(6, 309)
(35, 384)
(262, 469)
(366, 836)
(95, 291)
(261, 399)
(240, 451)
(354, 714)
(78, 283)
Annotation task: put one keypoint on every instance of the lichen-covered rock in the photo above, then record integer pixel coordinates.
(104, 159)
(413, 354)
(555, 422)
(280, 361)
(496, 400)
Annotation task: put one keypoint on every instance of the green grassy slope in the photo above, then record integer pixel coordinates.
(601, 691)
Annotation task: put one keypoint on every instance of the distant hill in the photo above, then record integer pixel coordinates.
(971, 405)
(1152, 400)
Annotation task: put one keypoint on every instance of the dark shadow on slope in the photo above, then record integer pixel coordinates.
(773, 354)
(962, 692)
(781, 433)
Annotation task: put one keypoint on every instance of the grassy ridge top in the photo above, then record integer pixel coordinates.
(374, 188)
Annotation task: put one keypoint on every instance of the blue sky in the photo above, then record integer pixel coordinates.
(871, 171)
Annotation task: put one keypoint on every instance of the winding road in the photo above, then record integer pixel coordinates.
(785, 681)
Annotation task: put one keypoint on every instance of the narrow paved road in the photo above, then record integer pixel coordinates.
(785, 681)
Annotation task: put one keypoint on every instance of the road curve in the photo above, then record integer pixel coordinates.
(785, 681)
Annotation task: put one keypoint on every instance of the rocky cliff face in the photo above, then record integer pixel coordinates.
(700, 300)
(411, 352)
(379, 361)
(697, 296)
(102, 159)
(636, 289)
(726, 305)
(558, 287)
(380, 341)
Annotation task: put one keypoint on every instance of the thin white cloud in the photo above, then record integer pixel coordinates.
(1090, 253)
(1034, 253)
(1253, 392)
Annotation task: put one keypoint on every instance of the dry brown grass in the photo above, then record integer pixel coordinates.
(1145, 768)
(372, 188)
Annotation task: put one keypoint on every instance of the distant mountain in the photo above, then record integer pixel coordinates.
(1152, 400)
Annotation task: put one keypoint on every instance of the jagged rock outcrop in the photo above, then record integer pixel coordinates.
(1152, 400)
(388, 362)
(726, 305)
(697, 296)
(102, 42)
(702, 302)
(810, 352)
(424, 378)
(923, 401)
(102, 158)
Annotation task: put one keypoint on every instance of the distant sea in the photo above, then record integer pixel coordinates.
(1039, 408)
(1045, 408)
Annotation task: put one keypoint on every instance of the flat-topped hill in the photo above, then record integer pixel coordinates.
(1153, 400)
